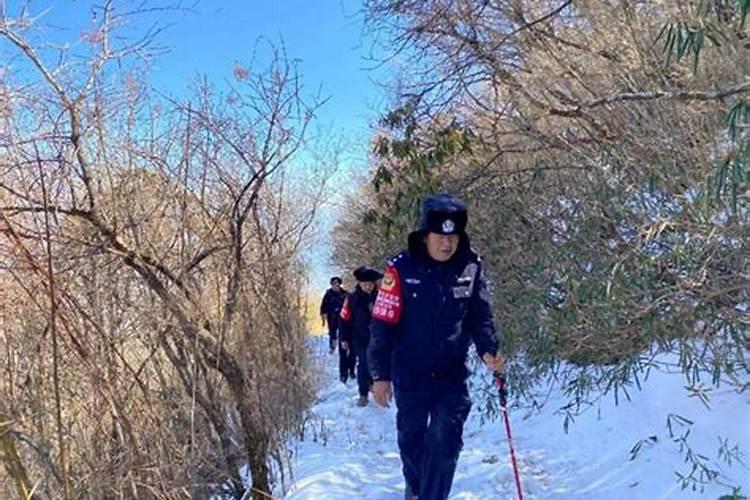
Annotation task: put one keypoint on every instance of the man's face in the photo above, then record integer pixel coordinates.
(336, 286)
(441, 247)
(367, 286)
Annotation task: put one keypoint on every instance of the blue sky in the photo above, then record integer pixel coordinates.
(325, 35)
(211, 36)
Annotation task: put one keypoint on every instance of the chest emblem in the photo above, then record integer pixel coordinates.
(389, 304)
(464, 285)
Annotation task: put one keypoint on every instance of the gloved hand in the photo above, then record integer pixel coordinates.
(495, 363)
(502, 388)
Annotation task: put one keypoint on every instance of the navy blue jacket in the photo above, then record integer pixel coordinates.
(331, 304)
(354, 325)
(426, 315)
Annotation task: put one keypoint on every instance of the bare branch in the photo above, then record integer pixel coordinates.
(650, 96)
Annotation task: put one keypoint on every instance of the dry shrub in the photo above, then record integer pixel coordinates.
(153, 318)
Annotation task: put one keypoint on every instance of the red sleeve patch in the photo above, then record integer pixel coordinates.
(346, 311)
(389, 304)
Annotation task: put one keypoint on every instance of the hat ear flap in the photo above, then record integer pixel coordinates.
(461, 220)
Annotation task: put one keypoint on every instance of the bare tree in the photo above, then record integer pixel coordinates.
(157, 243)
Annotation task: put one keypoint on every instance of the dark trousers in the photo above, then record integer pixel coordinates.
(333, 328)
(430, 424)
(346, 363)
(364, 380)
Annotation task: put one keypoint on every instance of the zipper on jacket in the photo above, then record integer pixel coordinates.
(436, 325)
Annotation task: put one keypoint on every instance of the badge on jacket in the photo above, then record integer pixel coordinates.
(389, 281)
(465, 282)
(388, 305)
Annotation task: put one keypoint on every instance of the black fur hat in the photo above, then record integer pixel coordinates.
(442, 214)
(367, 274)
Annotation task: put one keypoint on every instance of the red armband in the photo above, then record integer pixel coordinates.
(389, 304)
(346, 311)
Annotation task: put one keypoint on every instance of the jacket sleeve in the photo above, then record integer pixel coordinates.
(386, 316)
(345, 321)
(479, 321)
(325, 303)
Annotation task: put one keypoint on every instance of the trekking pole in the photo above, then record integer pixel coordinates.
(503, 391)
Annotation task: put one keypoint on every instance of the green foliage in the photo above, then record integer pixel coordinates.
(410, 161)
(744, 6)
(416, 158)
(711, 21)
(612, 246)
(732, 176)
(682, 40)
(600, 282)
(735, 495)
(738, 118)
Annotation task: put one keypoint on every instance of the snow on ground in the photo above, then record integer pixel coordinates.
(351, 452)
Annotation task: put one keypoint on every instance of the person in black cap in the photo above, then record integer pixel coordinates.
(330, 312)
(355, 325)
(330, 308)
(432, 304)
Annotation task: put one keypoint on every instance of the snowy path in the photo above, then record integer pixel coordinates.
(351, 452)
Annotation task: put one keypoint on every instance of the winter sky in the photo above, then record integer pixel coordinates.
(209, 37)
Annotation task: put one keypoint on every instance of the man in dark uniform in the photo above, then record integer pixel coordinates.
(330, 310)
(432, 304)
(354, 325)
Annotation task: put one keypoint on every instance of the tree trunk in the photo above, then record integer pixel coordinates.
(256, 446)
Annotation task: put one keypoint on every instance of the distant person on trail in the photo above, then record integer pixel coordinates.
(354, 326)
(330, 313)
(330, 308)
(433, 302)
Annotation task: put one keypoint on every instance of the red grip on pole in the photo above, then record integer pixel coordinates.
(503, 393)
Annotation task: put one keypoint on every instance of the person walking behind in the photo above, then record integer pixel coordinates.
(433, 302)
(355, 325)
(330, 313)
